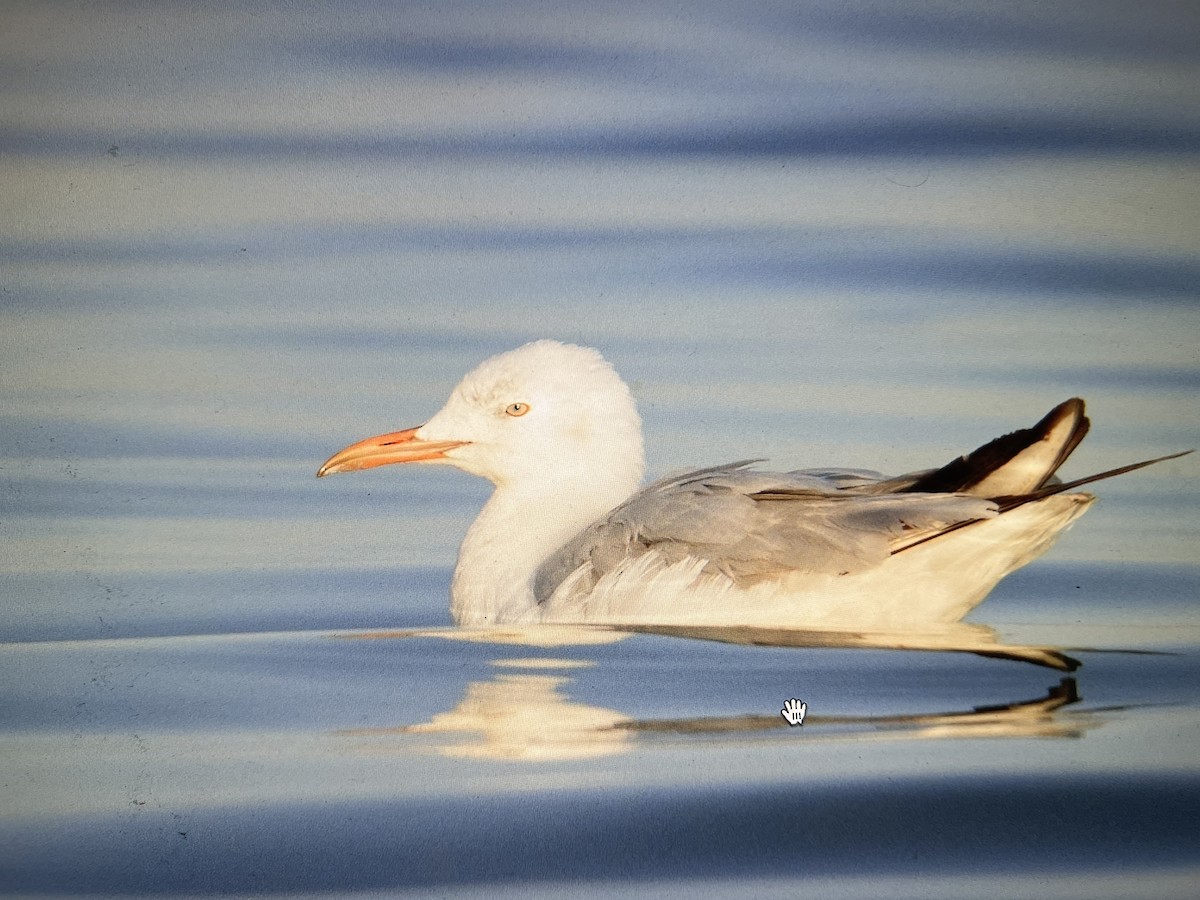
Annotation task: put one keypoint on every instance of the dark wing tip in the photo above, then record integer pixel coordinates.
(959, 475)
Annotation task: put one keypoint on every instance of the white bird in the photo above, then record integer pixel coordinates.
(567, 536)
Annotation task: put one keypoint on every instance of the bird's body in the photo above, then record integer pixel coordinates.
(840, 562)
(567, 536)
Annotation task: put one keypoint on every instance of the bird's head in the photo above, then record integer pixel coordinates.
(546, 413)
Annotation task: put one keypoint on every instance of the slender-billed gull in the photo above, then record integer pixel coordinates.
(567, 536)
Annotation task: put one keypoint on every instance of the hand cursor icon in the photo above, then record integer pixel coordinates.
(793, 711)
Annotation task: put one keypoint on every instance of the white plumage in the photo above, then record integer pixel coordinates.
(567, 536)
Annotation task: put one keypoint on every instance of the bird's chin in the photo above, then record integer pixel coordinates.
(463, 459)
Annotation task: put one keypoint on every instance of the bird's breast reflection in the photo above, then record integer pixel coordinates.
(520, 716)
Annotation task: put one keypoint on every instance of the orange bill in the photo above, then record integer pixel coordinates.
(385, 449)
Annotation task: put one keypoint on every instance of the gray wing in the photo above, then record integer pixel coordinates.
(750, 525)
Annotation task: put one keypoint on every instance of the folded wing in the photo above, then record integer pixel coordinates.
(750, 525)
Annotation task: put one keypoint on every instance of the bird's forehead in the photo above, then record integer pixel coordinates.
(506, 379)
(541, 371)
(485, 392)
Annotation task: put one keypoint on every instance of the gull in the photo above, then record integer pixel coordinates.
(568, 536)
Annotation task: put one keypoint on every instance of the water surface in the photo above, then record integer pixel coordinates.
(870, 237)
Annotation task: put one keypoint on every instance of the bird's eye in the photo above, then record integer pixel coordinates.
(517, 409)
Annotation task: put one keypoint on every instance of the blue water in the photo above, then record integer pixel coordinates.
(870, 236)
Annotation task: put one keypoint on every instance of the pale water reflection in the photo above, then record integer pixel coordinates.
(515, 717)
(529, 717)
(526, 715)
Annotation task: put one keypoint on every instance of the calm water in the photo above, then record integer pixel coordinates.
(869, 237)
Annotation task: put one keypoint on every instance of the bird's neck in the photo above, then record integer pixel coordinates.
(519, 527)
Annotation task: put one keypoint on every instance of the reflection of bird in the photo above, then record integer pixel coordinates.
(528, 718)
(566, 536)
